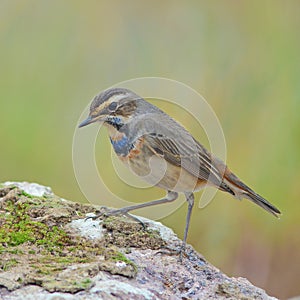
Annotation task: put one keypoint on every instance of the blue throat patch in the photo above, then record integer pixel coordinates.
(115, 122)
(121, 146)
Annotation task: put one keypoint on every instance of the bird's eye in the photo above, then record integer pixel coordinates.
(112, 106)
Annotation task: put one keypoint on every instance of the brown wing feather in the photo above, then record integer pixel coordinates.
(197, 161)
(172, 141)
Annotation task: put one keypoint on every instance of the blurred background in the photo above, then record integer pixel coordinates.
(242, 56)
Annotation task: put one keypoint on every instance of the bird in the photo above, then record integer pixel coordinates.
(162, 152)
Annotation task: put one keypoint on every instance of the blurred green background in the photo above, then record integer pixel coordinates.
(242, 56)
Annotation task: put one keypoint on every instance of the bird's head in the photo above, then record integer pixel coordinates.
(114, 106)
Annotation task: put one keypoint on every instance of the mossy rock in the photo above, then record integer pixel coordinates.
(36, 244)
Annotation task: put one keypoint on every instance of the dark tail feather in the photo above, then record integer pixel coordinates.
(241, 190)
(257, 199)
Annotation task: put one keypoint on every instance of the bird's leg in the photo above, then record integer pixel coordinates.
(190, 200)
(171, 196)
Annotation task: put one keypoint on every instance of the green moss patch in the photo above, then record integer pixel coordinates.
(37, 248)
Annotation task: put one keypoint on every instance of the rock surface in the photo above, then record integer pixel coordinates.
(49, 251)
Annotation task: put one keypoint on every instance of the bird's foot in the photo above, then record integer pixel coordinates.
(171, 251)
(107, 212)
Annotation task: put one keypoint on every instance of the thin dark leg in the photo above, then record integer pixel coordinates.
(190, 200)
(171, 196)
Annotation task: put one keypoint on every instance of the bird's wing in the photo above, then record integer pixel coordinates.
(169, 139)
(189, 155)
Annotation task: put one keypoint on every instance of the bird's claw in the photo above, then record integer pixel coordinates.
(171, 251)
(103, 211)
(115, 212)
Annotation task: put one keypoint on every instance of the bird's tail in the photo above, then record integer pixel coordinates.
(241, 190)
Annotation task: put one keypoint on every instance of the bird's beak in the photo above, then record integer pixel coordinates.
(87, 121)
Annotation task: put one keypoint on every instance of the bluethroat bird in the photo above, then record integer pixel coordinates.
(157, 148)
